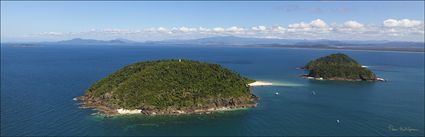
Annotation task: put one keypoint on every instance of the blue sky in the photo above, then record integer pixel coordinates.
(358, 20)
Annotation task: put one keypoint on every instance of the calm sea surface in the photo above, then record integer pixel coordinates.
(38, 84)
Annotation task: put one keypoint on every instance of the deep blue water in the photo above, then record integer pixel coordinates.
(38, 84)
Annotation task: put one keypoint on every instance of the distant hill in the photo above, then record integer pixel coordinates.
(79, 41)
(75, 42)
(229, 40)
(251, 42)
(266, 42)
(299, 43)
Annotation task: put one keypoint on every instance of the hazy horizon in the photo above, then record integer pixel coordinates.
(142, 41)
(153, 21)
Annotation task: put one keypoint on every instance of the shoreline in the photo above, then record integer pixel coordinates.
(229, 105)
(122, 111)
(103, 108)
(378, 79)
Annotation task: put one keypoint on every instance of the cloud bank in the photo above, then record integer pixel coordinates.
(390, 29)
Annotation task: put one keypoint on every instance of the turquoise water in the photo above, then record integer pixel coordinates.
(38, 84)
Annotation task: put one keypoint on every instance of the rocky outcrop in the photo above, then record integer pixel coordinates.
(214, 105)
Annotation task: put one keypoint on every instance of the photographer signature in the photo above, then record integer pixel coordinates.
(401, 129)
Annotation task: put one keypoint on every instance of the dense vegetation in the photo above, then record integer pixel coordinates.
(170, 83)
(338, 66)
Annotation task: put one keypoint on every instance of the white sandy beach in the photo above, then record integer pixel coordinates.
(260, 83)
(127, 111)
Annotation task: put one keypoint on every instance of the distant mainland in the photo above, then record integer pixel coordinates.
(229, 41)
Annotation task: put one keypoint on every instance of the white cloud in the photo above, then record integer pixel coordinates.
(51, 33)
(218, 29)
(235, 29)
(353, 25)
(161, 29)
(315, 26)
(183, 29)
(259, 28)
(402, 23)
(301, 25)
(318, 23)
(278, 29)
(116, 31)
(202, 29)
(390, 29)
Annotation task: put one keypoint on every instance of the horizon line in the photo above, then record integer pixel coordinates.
(183, 39)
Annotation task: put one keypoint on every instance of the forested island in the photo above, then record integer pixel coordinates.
(169, 87)
(338, 67)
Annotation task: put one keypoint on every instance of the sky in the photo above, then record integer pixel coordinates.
(34, 21)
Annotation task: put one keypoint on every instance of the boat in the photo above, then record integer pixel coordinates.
(314, 93)
(337, 121)
(277, 93)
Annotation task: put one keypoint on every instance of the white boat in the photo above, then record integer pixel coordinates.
(314, 93)
(337, 121)
(277, 93)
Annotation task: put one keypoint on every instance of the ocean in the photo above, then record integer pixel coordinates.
(38, 85)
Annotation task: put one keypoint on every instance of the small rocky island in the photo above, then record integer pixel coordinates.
(338, 67)
(169, 87)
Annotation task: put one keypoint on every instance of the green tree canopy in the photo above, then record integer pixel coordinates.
(170, 83)
(338, 66)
